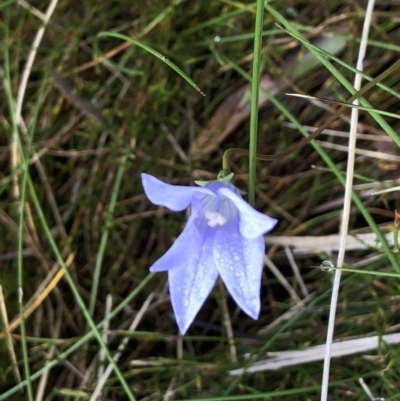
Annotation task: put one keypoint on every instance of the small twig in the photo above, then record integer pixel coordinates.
(174, 143)
(294, 310)
(283, 359)
(366, 389)
(9, 340)
(170, 393)
(363, 152)
(275, 271)
(102, 380)
(22, 89)
(106, 326)
(374, 137)
(227, 322)
(83, 105)
(40, 393)
(31, 58)
(33, 10)
(296, 271)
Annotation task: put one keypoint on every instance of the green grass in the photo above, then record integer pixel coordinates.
(116, 89)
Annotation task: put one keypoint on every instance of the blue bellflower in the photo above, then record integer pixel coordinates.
(223, 237)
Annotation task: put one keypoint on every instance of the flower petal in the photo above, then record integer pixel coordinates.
(240, 263)
(174, 197)
(184, 252)
(252, 223)
(215, 186)
(190, 284)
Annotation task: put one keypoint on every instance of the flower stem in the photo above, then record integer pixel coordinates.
(226, 168)
(255, 83)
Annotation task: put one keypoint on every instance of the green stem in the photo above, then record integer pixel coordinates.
(255, 83)
(104, 237)
(21, 201)
(25, 351)
(226, 168)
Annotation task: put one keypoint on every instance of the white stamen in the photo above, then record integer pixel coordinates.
(214, 218)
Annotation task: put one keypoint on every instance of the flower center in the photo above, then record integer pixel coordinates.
(214, 218)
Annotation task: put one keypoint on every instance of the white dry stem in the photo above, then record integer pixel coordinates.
(281, 278)
(32, 9)
(227, 322)
(293, 311)
(343, 134)
(328, 243)
(99, 360)
(387, 190)
(366, 389)
(170, 393)
(362, 152)
(347, 204)
(41, 388)
(106, 326)
(296, 272)
(22, 89)
(88, 374)
(31, 59)
(283, 359)
(102, 380)
(9, 339)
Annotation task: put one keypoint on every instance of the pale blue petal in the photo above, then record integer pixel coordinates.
(215, 186)
(252, 223)
(173, 197)
(190, 285)
(240, 262)
(184, 252)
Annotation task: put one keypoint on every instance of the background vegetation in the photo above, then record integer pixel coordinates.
(78, 234)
